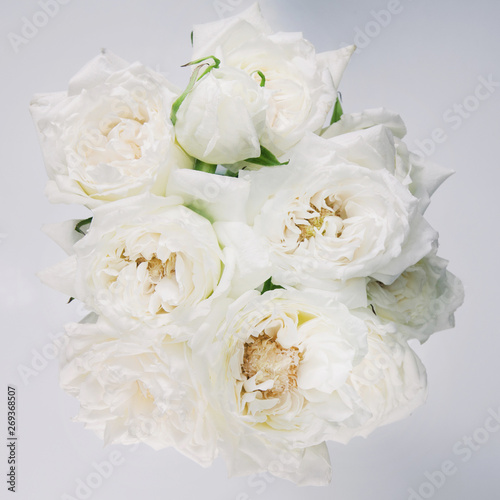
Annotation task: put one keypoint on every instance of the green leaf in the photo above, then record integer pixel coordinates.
(192, 33)
(195, 77)
(269, 285)
(71, 299)
(337, 110)
(204, 167)
(266, 159)
(84, 222)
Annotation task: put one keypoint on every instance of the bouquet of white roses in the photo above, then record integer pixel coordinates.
(256, 261)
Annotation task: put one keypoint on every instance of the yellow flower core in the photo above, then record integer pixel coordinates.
(158, 269)
(316, 225)
(268, 360)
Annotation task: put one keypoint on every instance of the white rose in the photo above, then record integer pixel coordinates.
(421, 301)
(287, 371)
(110, 135)
(274, 367)
(368, 129)
(133, 392)
(145, 262)
(325, 218)
(302, 84)
(222, 118)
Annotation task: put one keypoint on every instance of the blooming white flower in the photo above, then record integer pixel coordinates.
(221, 119)
(133, 392)
(381, 131)
(302, 84)
(286, 371)
(145, 262)
(110, 135)
(421, 301)
(325, 218)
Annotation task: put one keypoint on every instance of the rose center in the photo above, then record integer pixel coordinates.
(318, 223)
(144, 390)
(266, 359)
(157, 269)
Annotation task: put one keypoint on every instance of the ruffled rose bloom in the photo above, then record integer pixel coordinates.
(285, 372)
(301, 84)
(110, 136)
(222, 118)
(421, 301)
(145, 262)
(133, 392)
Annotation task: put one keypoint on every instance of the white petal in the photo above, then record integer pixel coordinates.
(96, 71)
(252, 257)
(219, 198)
(207, 36)
(426, 177)
(336, 61)
(371, 148)
(366, 119)
(420, 242)
(61, 277)
(64, 234)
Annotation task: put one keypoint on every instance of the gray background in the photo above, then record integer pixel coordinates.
(426, 60)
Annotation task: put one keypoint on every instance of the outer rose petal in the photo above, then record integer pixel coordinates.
(421, 301)
(391, 380)
(422, 176)
(207, 36)
(303, 466)
(96, 72)
(64, 234)
(351, 122)
(217, 197)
